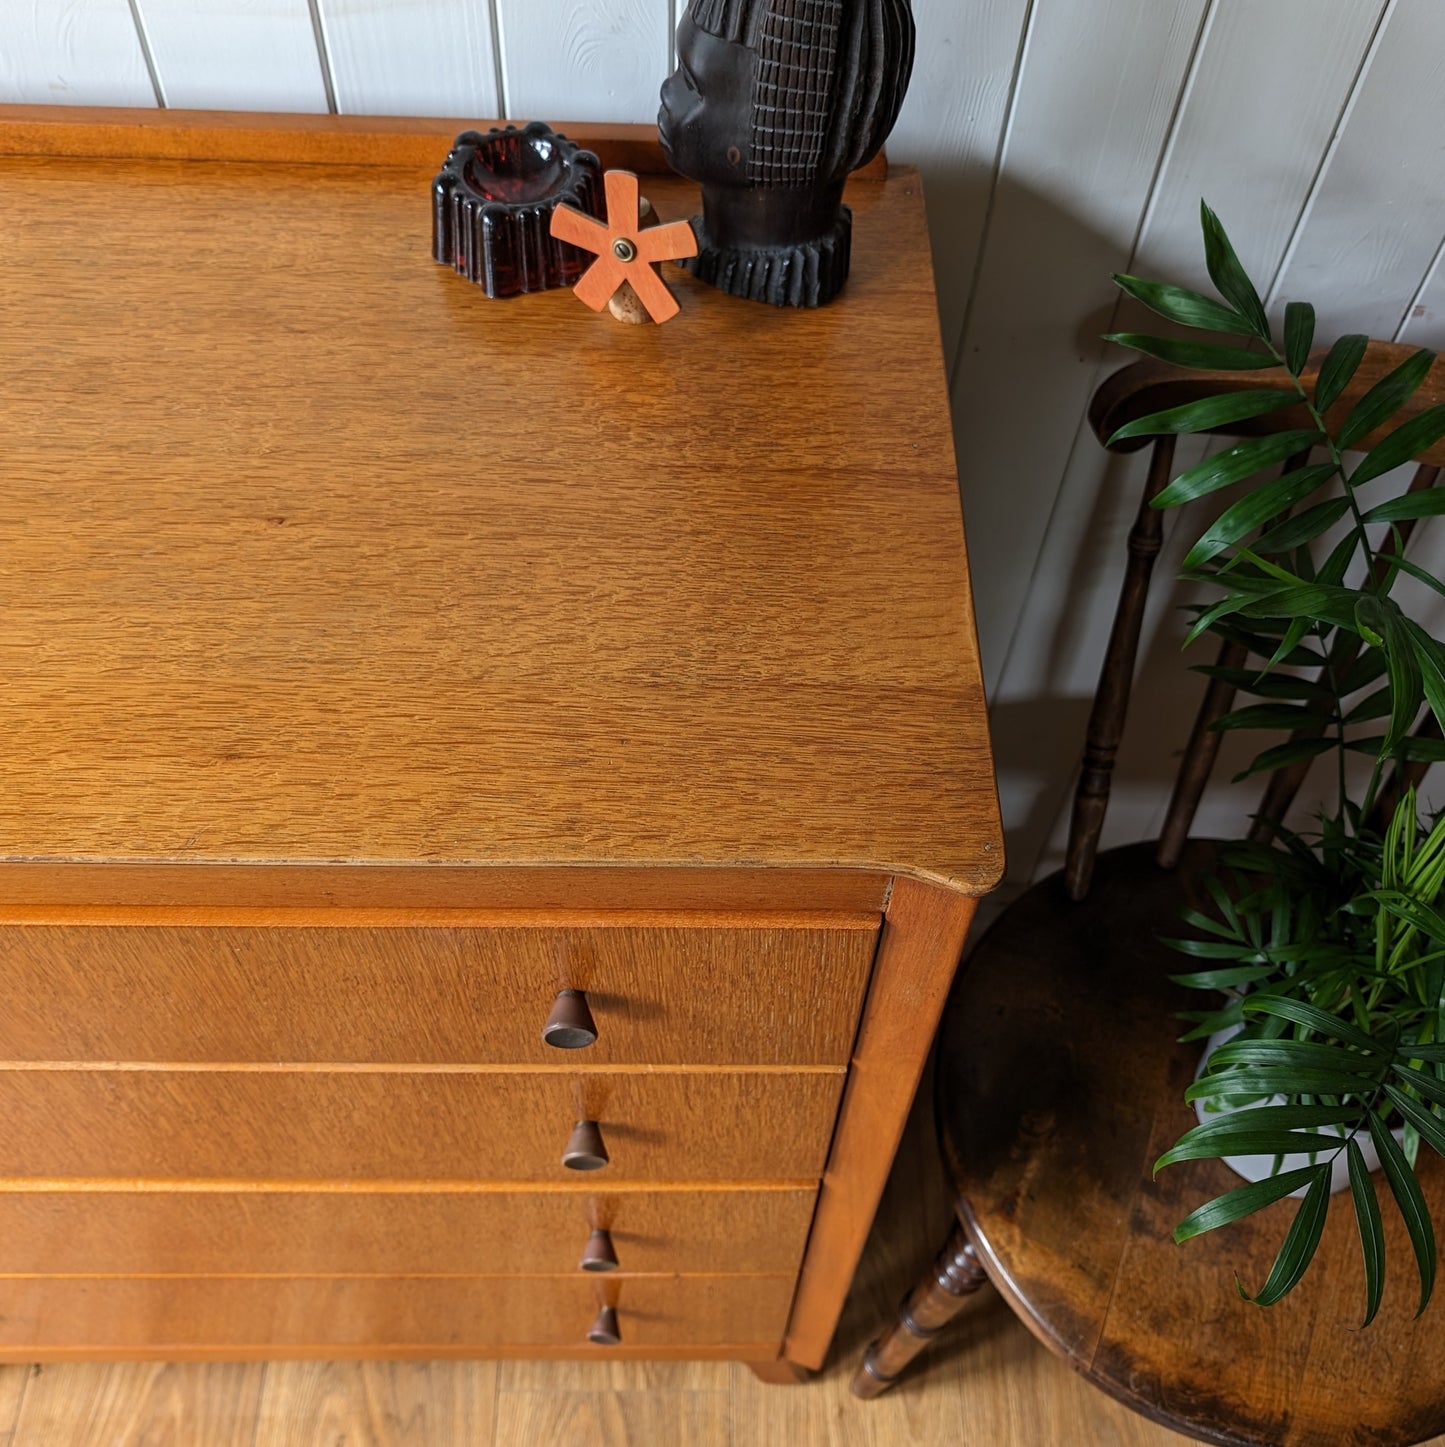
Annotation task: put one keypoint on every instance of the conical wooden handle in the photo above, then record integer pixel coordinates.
(585, 1151)
(599, 1253)
(570, 1026)
(604, 1332)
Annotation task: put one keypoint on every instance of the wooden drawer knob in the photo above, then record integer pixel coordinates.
(598, 1254)
(570, 1026)
(604, 1331)
(585, 1151)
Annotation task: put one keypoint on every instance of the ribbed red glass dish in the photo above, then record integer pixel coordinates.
(492, 208)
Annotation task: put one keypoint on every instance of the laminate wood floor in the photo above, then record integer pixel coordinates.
(987, 1383)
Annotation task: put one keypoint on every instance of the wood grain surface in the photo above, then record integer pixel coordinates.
(580, 1418)
(198, 1314)
(415, 1404)
(305, 615)
(416, 141)
(301, 138)
(321, 1125)
(69, 892)
(338, 987)
(152, 1403)
(361, 1233)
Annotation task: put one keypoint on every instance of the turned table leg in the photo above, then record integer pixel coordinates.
(927, 1309)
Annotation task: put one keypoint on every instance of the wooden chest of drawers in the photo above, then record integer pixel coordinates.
(383, 663)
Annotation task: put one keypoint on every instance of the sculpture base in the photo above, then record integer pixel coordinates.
(809, 274)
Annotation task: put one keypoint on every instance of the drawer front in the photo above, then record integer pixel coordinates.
(410, 1126)
(437, 1233)
(85, 1314)
(664, 994)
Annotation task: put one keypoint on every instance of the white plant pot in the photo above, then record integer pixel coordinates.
(1259, 1168)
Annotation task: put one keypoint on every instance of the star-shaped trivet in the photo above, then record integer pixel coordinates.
(625, 252)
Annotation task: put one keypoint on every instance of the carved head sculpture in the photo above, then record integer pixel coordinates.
(772, 105)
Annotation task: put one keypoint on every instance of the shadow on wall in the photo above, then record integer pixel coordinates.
(1048, 512)
(1039, 740)
(1047, 509)
(957, 196)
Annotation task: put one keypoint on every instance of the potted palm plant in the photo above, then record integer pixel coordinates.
(1324, 947)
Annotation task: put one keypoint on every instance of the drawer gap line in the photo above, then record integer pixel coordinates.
(404, 919)
(612, 1276)
(304, 1067)
(107, 1185)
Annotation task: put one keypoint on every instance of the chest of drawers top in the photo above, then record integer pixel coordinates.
(314, 556)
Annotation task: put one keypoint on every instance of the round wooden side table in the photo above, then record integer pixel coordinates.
(1060, 1081)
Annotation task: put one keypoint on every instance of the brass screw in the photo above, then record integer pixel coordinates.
(624, 250)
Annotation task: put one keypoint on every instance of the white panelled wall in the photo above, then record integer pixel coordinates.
(1060, 140)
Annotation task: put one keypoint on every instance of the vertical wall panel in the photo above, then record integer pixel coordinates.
(1270, 88)
(594, 60)
(412, 57)
(1374, 224)
(951, 124)
(1270, 82)
(1424, 324)
(251, 55)
(1096, 95)
(79, 52)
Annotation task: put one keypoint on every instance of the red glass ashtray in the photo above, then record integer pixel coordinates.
(492, 208)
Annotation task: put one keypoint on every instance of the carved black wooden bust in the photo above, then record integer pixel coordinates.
(772, 104)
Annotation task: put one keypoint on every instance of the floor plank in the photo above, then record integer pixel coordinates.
(613, 1419)
(128, 1404)
(376, 1404)
(12, 1389)
(541, 1376)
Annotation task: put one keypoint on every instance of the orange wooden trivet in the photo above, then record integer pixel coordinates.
(625, 252)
